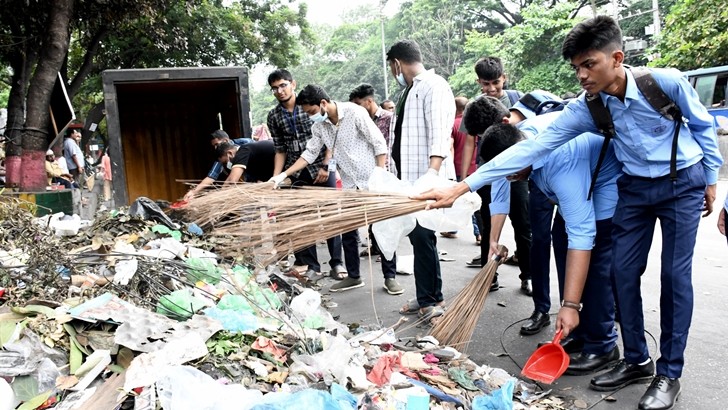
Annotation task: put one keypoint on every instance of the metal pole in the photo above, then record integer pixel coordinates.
(382, 3)
(655, 19)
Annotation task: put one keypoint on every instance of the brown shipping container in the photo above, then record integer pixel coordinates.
(159, 122)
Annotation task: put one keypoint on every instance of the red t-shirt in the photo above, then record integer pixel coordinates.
(459, 138)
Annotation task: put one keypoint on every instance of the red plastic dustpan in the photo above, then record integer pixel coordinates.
(179, 205)
(548, 362)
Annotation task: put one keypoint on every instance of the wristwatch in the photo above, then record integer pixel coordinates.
(572, 305)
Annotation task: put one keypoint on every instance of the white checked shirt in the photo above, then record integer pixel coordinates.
(354, 141)
(429, 113)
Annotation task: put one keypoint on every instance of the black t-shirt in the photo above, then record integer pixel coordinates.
(258, 160)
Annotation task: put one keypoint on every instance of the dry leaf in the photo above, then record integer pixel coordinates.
(124, 357)
(580, 404)
(610, 398)
(66, 382)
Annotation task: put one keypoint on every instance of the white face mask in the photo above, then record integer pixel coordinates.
(400, 78)
(318, 117)
(229, 165)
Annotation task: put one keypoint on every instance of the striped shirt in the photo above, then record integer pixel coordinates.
(427, 118)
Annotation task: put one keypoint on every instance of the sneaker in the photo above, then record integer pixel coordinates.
(346, 284)
(392, 287)
(475, 263)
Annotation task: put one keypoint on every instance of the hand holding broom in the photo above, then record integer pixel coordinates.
(456, 326)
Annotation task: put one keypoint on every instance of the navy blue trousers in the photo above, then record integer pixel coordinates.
(309, 256)
(518, 214)
(428, 280)
(541, 213)
(596, 320)
(677, 204)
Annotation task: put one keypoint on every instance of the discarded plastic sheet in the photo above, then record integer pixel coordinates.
(147, 368)
(142, 330)
(233, 320)
(180, 304)
(374, 337)
(184, 387)
(500, 399)
(25, 355)
(7, 397)
(304, 399)
(76, 400)
(125, 270)
(147, 209)
(264, 344)
(436, 392)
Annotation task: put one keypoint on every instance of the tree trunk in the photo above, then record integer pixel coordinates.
(22, 64)
(52, 54)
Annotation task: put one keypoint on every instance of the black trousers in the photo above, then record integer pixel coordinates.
(308, 256)
(519, 220)
(428, 280)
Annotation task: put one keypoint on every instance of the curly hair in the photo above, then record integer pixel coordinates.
(498, 138)
(483, 112)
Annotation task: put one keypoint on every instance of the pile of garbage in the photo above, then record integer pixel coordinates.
(135, 310)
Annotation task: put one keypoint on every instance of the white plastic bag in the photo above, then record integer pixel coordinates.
(184, 387)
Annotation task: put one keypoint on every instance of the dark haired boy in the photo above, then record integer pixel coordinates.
(647, 192)
(420, 141)
(290, 128)
(492, 78)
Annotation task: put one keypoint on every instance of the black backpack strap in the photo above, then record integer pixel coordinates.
(662, 104)
(603, 120)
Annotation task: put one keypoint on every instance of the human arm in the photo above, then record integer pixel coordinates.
(722, 217)
(236, 173)
(202, 185)
(53, 171)
(577, 268)
(497, 221)
(467, 156)
(278, 162)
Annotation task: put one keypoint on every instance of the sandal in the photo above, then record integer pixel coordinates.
(338, 272)
(413, 307)
(426, 314)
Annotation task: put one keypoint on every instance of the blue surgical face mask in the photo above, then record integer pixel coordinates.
(401, 80)
(318, 117)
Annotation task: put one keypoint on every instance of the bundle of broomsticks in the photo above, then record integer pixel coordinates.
(456, 326)
(271, 223)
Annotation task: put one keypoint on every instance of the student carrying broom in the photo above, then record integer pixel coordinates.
(357, 147)
(670, 172)
(582, 232)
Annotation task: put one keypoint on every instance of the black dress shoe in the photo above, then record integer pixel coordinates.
(569, 344)
(586, 363)
(661, 395)
(526, 287)
(535, 323)
(494, 286)
(623, 374)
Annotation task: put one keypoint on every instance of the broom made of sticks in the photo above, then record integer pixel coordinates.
(255, 219)
(456, 326)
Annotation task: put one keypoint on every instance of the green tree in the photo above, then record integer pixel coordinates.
(695, 35)
(531, 52)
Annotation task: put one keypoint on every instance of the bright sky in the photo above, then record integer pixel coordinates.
(330, 11)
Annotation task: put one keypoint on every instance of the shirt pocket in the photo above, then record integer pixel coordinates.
(656, 133)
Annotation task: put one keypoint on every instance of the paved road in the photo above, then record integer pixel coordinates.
(704, 378)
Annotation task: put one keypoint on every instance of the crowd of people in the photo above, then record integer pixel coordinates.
(591, 192)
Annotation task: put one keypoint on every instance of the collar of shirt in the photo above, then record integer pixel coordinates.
(631, 93)
(380, 112)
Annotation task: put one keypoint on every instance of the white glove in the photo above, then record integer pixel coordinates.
(278, 179)
(433, 171)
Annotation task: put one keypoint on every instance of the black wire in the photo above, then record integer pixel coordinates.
(503, 346)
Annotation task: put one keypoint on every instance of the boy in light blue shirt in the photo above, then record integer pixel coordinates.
(643, 143)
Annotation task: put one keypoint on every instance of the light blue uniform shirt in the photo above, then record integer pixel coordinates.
(643, 139)
(564, 176)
